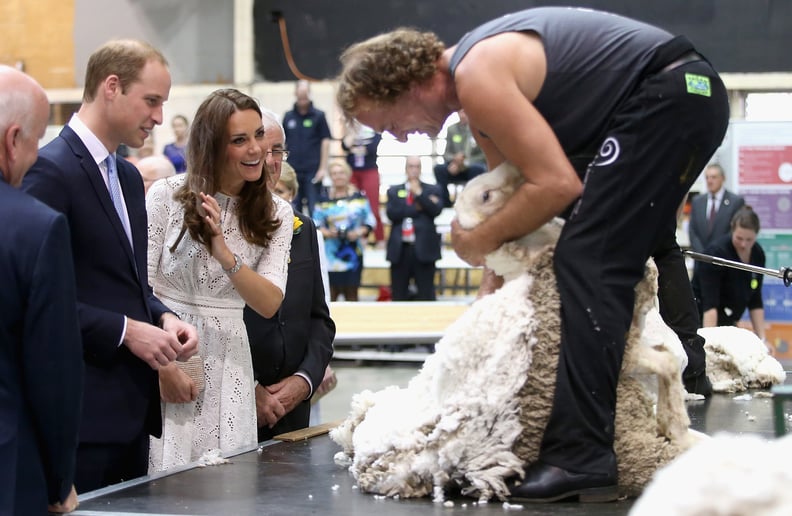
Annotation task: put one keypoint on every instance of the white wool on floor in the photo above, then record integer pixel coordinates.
(738, 360)
(457, 419)
(728, 475)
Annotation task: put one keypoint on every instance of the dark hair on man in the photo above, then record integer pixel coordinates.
(384, 67)
(124, 58)
(745, 218)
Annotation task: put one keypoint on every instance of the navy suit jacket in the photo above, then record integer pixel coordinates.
(427, 240)
(300, 336)
(41, 368)
(698, 227)
(121, 391)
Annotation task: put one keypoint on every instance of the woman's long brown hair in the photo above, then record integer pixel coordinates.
(206, 151)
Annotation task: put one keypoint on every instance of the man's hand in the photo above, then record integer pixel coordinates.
(67, 505)
(414, 184)
(176, 386)
(469, 245)
(268, 409)
(186, 334)
(319, 176)
(154, 346)
(457, 164)
(290, 391)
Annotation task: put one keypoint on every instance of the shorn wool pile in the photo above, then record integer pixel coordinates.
(728, 475)
(737, 360)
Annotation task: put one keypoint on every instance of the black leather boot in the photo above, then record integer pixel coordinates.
(544, 483)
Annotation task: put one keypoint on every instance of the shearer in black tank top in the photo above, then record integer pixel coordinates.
(610, 121)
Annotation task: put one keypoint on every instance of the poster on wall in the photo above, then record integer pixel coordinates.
(774, 207)
(761, 157)
(765, 165)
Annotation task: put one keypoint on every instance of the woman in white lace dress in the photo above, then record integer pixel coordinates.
(217, 240)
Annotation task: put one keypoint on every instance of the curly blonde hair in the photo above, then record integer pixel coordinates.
(384, 67)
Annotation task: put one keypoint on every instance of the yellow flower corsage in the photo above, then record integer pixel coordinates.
(298, 224)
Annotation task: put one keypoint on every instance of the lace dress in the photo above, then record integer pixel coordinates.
(192, 284)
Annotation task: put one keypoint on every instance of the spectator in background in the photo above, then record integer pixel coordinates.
(309, 143)
(711, 213)
(414, 244)
(360, 143)
(41, 368)
(174, 151)
(723, 293)
(291, 350)
(153, 168)
(463, 159)
(345, 219)
(135, 155)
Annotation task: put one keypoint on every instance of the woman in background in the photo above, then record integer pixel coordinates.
(345, 219)
(175, 151)
(723, 293)
(360, 144)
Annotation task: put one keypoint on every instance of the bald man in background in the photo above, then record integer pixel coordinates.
(153, 168)
(41, 368)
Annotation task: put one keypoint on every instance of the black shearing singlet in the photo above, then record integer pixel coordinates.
(582, 88)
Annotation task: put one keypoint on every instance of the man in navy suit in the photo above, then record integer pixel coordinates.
(413, 245)
(41, 368)
(711, 214)
(127, 332)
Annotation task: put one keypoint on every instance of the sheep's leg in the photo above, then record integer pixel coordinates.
(672, 418)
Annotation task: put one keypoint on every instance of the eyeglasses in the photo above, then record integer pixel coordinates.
(279, 155)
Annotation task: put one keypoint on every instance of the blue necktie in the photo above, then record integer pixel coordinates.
(115, 193)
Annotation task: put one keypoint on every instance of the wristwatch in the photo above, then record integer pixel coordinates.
(235, 268)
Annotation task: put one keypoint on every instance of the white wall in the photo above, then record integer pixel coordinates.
(196, 36)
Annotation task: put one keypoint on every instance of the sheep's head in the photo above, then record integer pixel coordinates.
(486, 194)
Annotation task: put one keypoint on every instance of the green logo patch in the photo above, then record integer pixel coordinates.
(698, 84)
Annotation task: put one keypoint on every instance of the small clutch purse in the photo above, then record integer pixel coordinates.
(194, 368)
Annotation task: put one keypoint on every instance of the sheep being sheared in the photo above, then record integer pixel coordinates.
(475, 413)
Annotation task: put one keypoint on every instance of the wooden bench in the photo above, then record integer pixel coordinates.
(370, 326)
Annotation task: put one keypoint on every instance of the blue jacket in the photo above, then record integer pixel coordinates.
(41, 368)
(304, 135)
(121, 391)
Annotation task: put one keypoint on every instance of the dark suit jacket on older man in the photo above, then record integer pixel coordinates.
(701, 233)
(300, 336)
(425, 251)
(41, 369)
(121, 391)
